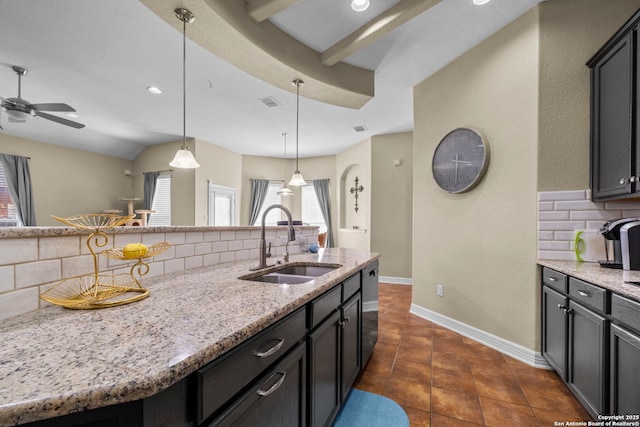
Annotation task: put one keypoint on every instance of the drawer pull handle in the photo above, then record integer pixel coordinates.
(584, 293)
(272, 350)
(274, 387)
(553, 279)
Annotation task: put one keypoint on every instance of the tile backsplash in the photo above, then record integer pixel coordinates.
(562, 213)
(31, 265)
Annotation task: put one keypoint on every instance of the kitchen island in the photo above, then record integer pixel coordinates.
(55, 361)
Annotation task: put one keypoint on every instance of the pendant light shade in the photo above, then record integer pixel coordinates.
(184, 158)
(297, 179)
(285, 191)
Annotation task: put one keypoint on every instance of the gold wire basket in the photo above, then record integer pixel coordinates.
(96, 291)
(95, 221)
(153, 250)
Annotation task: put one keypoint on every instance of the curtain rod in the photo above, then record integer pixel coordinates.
(166, 170)
(308, 180)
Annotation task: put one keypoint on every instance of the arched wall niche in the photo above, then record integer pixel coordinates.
(349, 218)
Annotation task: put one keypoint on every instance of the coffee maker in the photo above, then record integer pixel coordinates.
(611, 230)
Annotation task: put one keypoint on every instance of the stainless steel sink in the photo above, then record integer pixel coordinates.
(292, 274)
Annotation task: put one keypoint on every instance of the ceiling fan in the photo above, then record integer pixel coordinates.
(19, 110)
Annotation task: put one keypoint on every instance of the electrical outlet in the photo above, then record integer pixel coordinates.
(440, 290)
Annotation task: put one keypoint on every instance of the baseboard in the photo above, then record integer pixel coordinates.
(509, 348)
(396, 280)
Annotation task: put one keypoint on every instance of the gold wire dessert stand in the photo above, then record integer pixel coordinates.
(101, 290)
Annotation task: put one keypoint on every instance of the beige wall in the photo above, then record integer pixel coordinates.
(571, 32)
(392, 202)
(69, 182)
(481, 245)
(353, 161)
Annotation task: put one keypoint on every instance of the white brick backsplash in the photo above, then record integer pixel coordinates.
(58, 247)
(18, 302)
(6, 278)
(176, 238)
(211, 236)
(228, 235)
(557, 234)
(194, 237)
(553, 216)
(29, 266)
(193, 262)
(185, 250)
(562, 195)
(37, 273)
(13, 251)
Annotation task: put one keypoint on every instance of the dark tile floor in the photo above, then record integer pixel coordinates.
(444, 379)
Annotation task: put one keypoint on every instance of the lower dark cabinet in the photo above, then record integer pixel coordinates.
(625, 371)
(351, 338)
(324, 371)
(554, 330)
(277, 399)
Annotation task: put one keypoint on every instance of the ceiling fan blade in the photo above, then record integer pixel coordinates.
(53, 107)
(59, 120)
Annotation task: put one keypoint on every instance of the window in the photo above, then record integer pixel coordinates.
(8, 217)
(161, 202)
(222, 205)
(272, 198)
(311, 211)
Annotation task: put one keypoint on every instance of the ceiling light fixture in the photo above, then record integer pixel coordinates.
(297, 179)
(360, 5)
(480, 2)
(285, 191)
(154, 90)
(184, 159)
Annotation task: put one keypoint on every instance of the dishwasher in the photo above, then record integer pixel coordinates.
(369, 310)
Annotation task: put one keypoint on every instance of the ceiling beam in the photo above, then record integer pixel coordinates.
(260, 10)
(387, 21)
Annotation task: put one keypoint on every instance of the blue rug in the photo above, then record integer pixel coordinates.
(370, 410)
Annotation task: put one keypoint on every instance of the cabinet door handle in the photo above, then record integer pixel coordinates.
(272, 350)
(553, 279)
(568, 311)
(274, 387)
(561, 307)
(624, 180)
(346, 319)
(584, 293)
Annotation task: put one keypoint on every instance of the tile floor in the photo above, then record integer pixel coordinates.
(443, 379)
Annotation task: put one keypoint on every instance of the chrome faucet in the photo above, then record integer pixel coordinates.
(263, 242)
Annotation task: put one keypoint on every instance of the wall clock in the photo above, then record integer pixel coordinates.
(460, 160)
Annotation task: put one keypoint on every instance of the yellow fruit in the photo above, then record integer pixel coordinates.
(134, 250)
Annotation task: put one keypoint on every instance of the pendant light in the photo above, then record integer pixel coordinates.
(184, 159)
(297, 179)
(285, 191)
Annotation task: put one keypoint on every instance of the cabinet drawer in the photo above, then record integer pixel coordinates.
(625, 311)
(324, 305)
(554, 279)
(588, 294)
(225, 377)
(350, 286)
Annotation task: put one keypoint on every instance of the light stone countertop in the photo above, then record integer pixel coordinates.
(607, 278)
(55, 361)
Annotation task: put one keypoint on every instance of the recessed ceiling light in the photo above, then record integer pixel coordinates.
(154, 90)
(359, 5)
(72, 115)
(479, 2)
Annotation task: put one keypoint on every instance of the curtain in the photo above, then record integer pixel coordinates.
(259, 189)
(16, 171)
(150, 180)
(321, 186)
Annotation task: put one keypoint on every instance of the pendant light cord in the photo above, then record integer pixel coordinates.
(285, 158)
(298, 83)
(184, 84)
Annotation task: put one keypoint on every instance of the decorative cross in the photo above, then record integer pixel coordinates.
(355, 190)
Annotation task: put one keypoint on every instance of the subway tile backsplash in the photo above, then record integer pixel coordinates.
(562, 213)
(32, 265)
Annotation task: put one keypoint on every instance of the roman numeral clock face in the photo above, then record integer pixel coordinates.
(460, 160)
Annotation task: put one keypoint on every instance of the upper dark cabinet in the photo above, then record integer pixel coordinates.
(615, 116)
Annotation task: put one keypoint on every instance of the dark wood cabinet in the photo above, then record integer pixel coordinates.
(587, 364)
(277, 399)
(350, 340)
(554, 330)
(615, 134)
(625, 371)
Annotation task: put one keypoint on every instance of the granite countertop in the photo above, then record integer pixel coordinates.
(55, 361)
(612, 279)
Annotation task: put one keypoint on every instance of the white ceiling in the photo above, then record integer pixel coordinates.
(99, 56)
